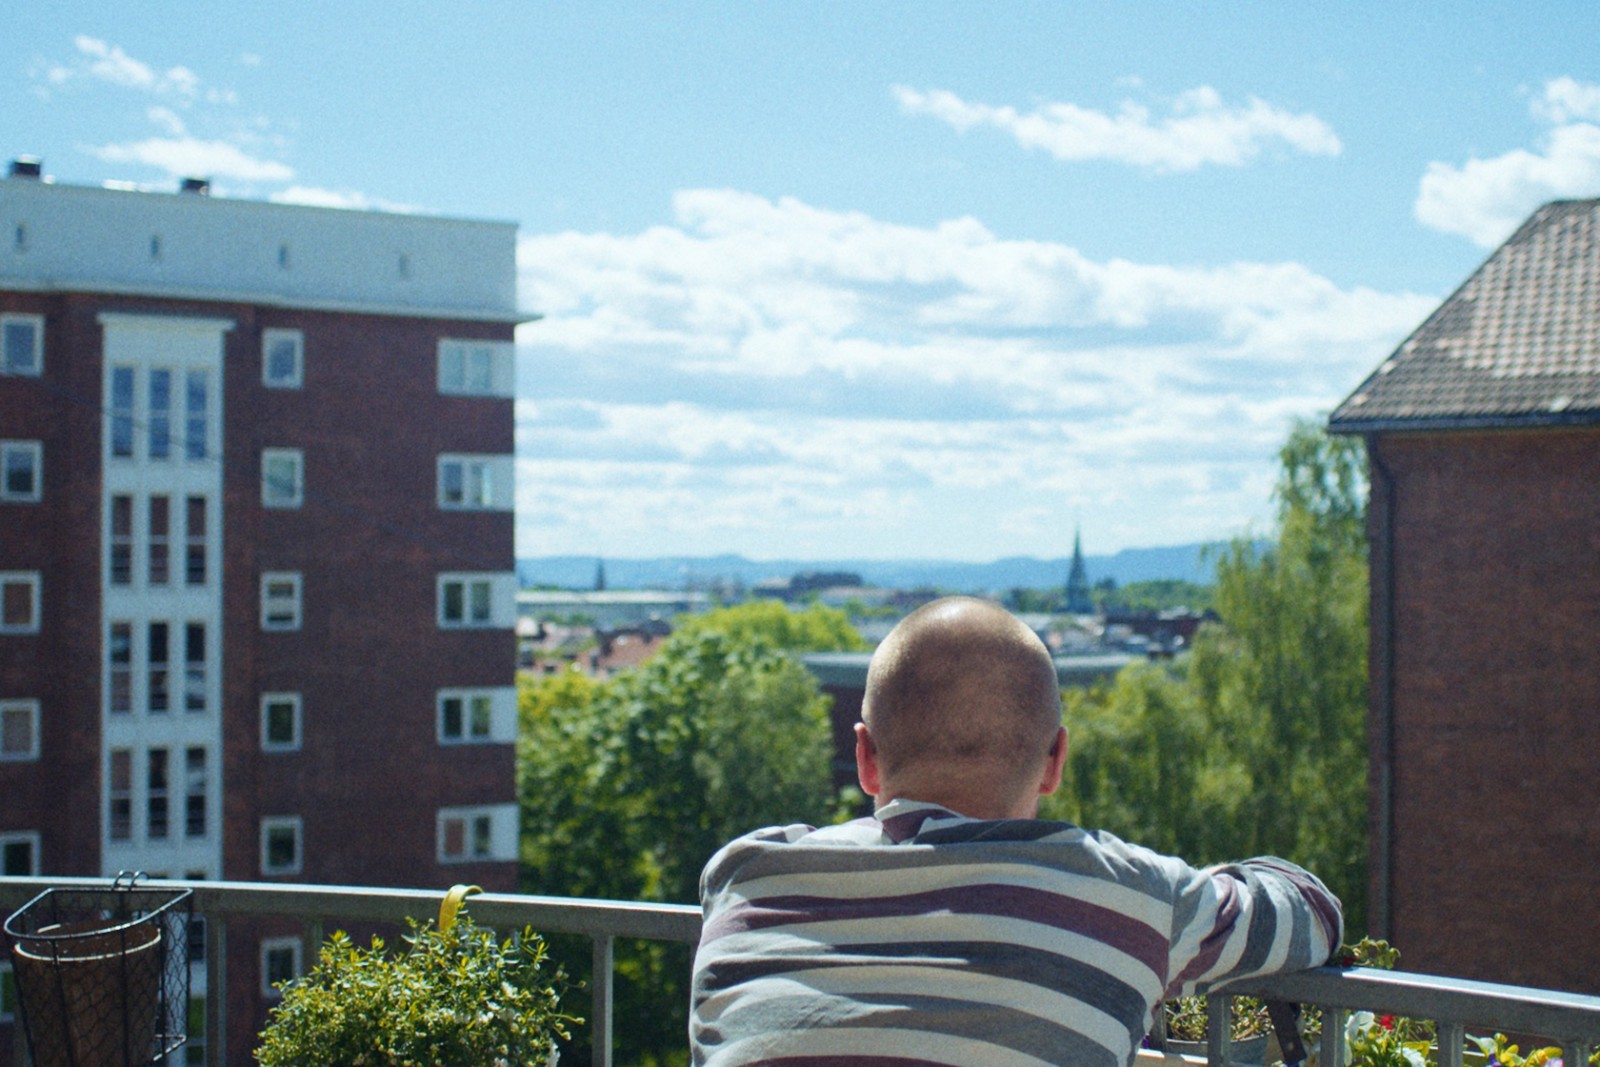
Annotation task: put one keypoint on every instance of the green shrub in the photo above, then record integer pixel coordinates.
(456, 998)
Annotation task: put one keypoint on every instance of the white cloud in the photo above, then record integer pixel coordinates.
(109, 63)
(770, 366)
(193, 157)
(1485, 199)
(1200, 130)
(310, 196)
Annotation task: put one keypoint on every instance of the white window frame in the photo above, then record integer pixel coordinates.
(23, 578)
(271, 495)
(34, 453)
(294, 338)
(502, 600)
(477, 368)
(35, 366)
(271, 946)
(296, 711)
(502, 833)
(495, 474)
(501, 726)
(31, 709)
(293, 579)
(270, 824)
(22, 837)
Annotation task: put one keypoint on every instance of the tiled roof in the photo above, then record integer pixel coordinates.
(1518, 344)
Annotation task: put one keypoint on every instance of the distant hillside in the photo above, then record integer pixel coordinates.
(676, 572)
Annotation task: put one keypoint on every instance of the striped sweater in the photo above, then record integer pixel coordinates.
(924, 937)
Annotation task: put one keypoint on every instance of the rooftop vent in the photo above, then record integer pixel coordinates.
(197, 186)
(27, 167)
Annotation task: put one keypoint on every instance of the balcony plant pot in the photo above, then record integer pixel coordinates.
(101, 975)
(1250, 1051)
(453, 994)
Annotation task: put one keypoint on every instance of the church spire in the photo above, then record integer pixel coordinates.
(1078, 601)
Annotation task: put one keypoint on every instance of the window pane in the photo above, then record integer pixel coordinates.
(16, 605)
(121, 815)
(21, 473)
(480, 716)
(120, 652)
(480, 370)
(16, 858)
(283, 360)
(122, 411)
(160, 540)
(482, 836)
(480, 601)
(454, 602)
(451, 709)
(280, 724)
(455, 837)
(282, 848)
(16, 731)
(21, 347)
(160, 420)
(452, 491)
(195, 424)
(195, 790)
(159, 697)
(156, 793)
(121, 540)
(195, 532)
(194, 667)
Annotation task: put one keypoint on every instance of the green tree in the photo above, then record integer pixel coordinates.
(1256, 741)
(627, 787)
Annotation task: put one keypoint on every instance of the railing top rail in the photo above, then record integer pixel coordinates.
(357, 904)
(1479, 1006)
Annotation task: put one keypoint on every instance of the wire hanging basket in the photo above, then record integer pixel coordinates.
(102, 975)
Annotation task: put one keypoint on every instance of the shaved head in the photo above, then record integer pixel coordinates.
(961, 697)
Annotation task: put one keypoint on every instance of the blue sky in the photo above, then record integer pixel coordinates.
(837, 280)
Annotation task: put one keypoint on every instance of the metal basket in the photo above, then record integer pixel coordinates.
(103, 974)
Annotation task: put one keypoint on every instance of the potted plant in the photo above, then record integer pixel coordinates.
(454, 995)
(1187, 1028)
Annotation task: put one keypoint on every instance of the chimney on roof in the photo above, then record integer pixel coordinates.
(30, 167)
(197, 186)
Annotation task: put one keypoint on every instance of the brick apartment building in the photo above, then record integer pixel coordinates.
(1483, 433)
(257, 588)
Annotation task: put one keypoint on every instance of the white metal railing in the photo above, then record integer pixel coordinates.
(1569, 1019)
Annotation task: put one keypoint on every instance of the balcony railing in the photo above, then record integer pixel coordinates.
(1567, 1019)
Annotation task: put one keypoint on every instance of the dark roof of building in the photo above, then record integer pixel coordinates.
(1517, 345)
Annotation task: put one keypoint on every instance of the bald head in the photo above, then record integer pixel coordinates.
(962, 704)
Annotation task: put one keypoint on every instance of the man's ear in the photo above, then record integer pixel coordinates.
(1057, 762)
(867, 761)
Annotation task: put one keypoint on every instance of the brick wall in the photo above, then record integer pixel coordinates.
(1490, 542)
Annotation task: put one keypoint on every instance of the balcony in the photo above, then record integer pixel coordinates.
(1457, 1006)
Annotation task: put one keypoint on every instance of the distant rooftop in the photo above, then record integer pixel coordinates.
(187, 244)
(1517, 345)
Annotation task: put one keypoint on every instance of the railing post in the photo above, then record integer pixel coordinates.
(601, 985)
(1218, 1030)
(1333, 1052)
(1452, 1037)
(216, 991)
(1574, 1054)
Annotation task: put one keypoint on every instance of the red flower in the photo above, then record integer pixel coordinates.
(1386, 1021)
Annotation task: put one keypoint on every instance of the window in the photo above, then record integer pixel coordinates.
(282, 358)
(280, 722)
(19, 729)
(280, 600)
(280, 845)
(194, 667)
(196, 390)
(22, 344)
(160, 546)
(465, 834)
(472, 601)
(19, 854)
(282, 484)
(121, 544)
(158, 422)
(21, 464)
(119, 817)
(194, 791)
(121, 411)
(280, 962)
(19, 602)
(119, 657)
(475, 482)
(476, 368)
(194, 528)
(465, 716)
(160, 693)
(155, 799)
(468, 716)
